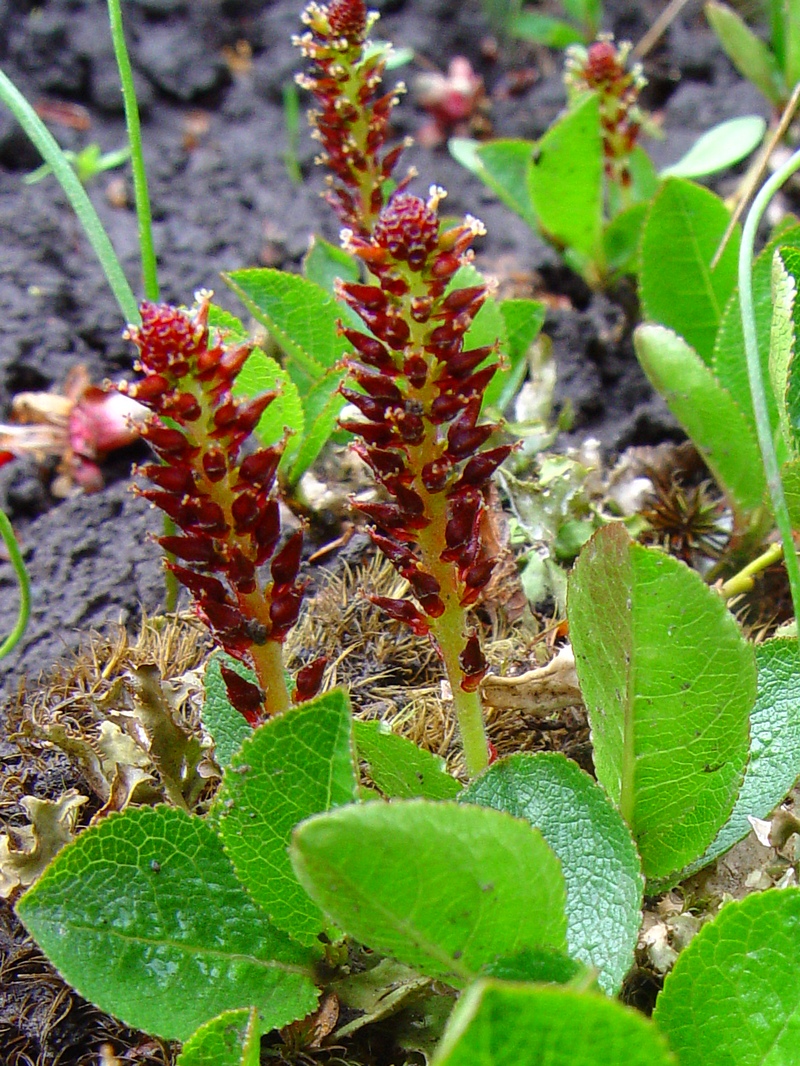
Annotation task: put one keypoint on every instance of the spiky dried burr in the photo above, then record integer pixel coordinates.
(352, 123)
(419, 392)
(604, 68)
(224, 504)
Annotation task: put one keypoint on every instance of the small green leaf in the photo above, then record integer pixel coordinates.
(399, 768)
(297, 764)
(260, 374)
(143, 916)
(536, 965)
(669, 683)
(707, 412)
(723, 146)
(437, 886)
(747, 52)
(323, 263)
(734, 994)
(226, 725)
(232, 328)
(774, 747)
(300, 315)
(730, 368)
(678, 287)
(500, 1024)
(231, 1039)
(523, 322)
(544, 29)
(323, 405)
(488, 326)
(599, 861)
(504, 165)
(566, 180)
(622, 238)
(790, 475)
(785, 280)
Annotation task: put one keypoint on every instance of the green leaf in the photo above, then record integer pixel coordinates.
(537, 965)
(143, 916)
(669, 682)
(734, 994)
(504, 165)
(747, 52)
(323, 263)
(707, 412)
(790, 475)
(598, 859)
(489, 325)
(728, 363)
(544, 29)
(774, 746)
(300, 315)
(499, 1024)
(622, 238)
(226, 725)
(232, 329)
(297, 764)
(566, 180)
(323, 405)
(680, 238)
(233, 1038)
(523, 322)
(399, 768)
(723, 146)
(260, 374)
(437, 886)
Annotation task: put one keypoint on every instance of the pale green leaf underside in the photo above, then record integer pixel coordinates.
(440, 887)
(734, 995)
(782, 344)
(678, 287)
(502, 1024)
(669, 682)
(297, 764)
(721, 147)
(144, 916)
(707, 412)
(774, 762)
(230, 1039)
(598, 859)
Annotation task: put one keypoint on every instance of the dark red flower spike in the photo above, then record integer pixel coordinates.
(226, 508)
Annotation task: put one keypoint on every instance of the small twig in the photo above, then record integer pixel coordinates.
(743, 581)
(661, 24)
(754, 175)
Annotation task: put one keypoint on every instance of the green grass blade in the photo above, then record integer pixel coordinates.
(24, 613)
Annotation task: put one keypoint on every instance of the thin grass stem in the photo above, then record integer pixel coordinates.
(24, 612)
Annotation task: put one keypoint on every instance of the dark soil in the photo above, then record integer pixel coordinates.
(222, 199)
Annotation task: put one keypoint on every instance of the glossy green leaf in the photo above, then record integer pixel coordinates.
(488, 326)
(226, 725)
(537, 965)
(746, 51)
(598, 858)
(300, 315)
(438, 886)
(399, 768)
(323, 405)
(680, 238)
(669, 683)
(708, 413)
(566, 180)
(723, 146)
(143, 916)
(232, 328)
(261, 374)
(504, 165)
(295, 765)
(734, 994)
(774, 763)
(523, 323)
(231, 1039)
(728, 363)
(500, 1024)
